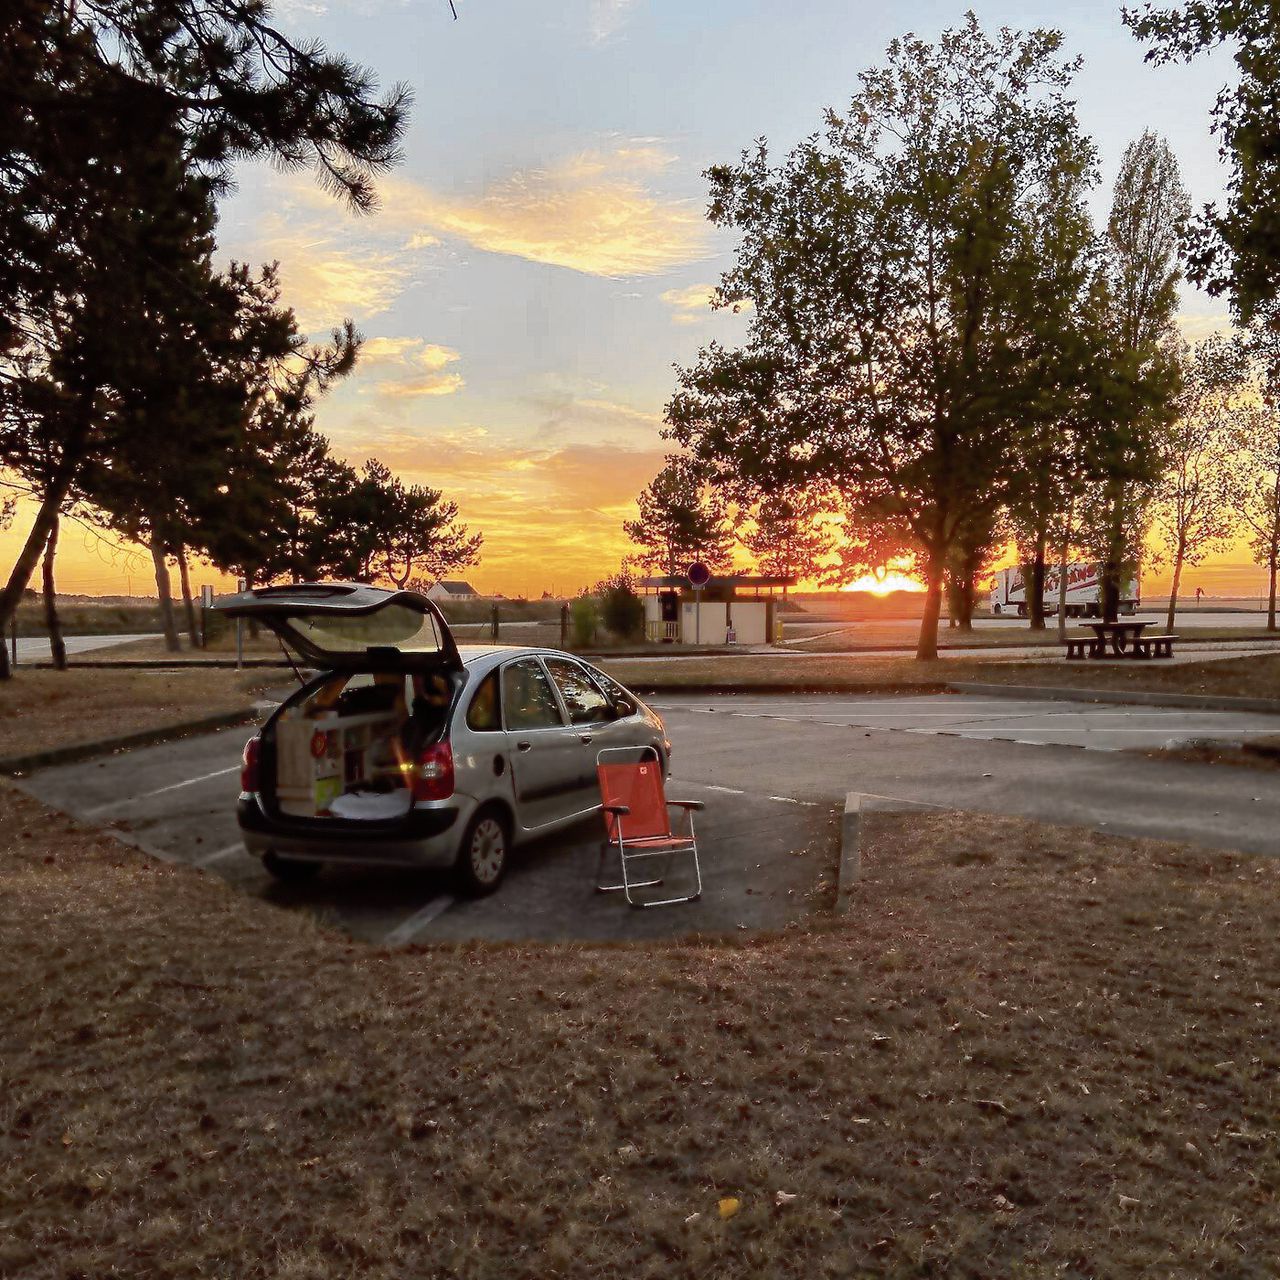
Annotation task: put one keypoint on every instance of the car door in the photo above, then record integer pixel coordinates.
(540, 746)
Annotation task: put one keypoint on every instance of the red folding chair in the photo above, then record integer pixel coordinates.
(637, 821)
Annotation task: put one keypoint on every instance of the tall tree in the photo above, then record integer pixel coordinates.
(904, 339)
(681, 520)
(791, 534)
(1257, 437)
(88, 88)
(1234, 250)
(1195, 500)
(1149, 213)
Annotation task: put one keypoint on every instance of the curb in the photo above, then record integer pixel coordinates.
(1136, 697)
(857, 803)
(143, 738)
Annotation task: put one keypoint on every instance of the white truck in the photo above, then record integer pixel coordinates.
(1084, 591)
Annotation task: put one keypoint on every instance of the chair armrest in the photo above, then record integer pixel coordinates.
(686, 804)
(621, 810)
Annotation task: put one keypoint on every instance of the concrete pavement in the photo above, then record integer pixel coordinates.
(36, 648)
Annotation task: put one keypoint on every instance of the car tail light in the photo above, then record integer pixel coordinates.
(433, 777)
(249, 764)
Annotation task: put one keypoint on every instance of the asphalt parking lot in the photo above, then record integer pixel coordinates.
(764, 856)
(773, 772)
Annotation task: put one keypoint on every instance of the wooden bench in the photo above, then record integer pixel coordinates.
(1154, 646)
(1080, 647)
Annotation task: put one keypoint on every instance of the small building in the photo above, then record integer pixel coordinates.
(733, 609)
(451, 590)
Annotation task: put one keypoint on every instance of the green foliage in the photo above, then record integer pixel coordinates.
(1234, 249)
(790, 537)
(621, 609)
(584, 619)
(681, 520)
(910, 332)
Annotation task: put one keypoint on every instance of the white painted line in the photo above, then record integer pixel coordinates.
(407, 930)
(811, 804)
(159, 791)
(729, 791)
(219, 854)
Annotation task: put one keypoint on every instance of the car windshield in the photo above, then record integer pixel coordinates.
(394, 627)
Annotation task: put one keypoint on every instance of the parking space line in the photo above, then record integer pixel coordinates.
(219, 854)
(407, 930)
(159, 791)
(810, 804)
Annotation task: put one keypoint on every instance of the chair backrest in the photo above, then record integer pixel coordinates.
(638, 785)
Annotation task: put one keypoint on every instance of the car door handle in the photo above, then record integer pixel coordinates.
(584, 737)
(524, 746)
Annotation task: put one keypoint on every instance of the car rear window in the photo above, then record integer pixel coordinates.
(528, 701)
(395, 627)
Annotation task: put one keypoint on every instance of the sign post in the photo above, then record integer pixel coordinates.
(240, 586)
(699, 575)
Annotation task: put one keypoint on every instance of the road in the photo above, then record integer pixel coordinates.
(773, 772)
(1061, 762)
(36, 648)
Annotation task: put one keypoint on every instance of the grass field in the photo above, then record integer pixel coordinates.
(42, 710)
(1025, 1052)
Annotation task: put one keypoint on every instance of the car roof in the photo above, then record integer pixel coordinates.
(483, 657)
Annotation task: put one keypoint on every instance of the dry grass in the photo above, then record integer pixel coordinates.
(1025, 1053)
(1254, 676)
(42, 710)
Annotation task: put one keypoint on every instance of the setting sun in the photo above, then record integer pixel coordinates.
(883, 586)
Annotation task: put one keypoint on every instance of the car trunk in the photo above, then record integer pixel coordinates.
(350, 748)
(370, 736)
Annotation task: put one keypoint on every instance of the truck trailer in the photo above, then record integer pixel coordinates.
(1084, 591)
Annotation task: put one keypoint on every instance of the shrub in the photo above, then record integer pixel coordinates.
(621, 609)
(585, 618)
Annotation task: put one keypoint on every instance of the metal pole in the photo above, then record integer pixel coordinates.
(493, 622)
(239, 643)
(697, 615)
(564, 625)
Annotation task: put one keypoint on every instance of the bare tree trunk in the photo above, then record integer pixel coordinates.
(1035, 582)
(1062, 573)
(57, 647)
(1173, 587)
(927, 645)
(164, 594)
(25, 565)
(1271, 595)
(184, 578)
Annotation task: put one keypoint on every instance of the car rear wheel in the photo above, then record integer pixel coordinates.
(482, 857)
(289, 869)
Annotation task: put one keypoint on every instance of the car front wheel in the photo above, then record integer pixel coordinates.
(482, 858)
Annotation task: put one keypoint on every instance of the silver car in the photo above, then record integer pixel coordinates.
(406, 750)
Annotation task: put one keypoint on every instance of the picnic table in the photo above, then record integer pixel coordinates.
(1125, 639)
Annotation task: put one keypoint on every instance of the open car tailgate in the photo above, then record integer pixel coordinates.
(342, 625)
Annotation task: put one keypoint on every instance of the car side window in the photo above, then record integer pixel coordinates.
(528, 701)
(586, 703)
(612, 690)
(484, 714)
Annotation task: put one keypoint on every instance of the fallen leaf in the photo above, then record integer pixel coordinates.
(693, 1217)
(1004, 1204)
(783, 1197)
(728, 1207)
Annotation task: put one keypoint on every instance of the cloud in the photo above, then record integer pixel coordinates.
(591, 212)
(693, 304)
(551, 513)
(327, 275)
(605, 18)
(407, 368)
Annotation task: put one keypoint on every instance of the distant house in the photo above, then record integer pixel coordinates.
(448, 589)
